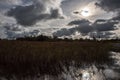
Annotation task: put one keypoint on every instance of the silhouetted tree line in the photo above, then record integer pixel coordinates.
(55, 38)
(49, 38)
(39, 38)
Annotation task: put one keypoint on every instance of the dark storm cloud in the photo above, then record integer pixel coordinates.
(85, 27)
(105, 26)
(100, 20)
(116, 18)
(25, 15)
(109, 5)
(82, 26)
(64, 31)
(55, 14)
(29, 15)
(84, 30)
(79, 22)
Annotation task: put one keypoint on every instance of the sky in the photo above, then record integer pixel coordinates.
(62, 18)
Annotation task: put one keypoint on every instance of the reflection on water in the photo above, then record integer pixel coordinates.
(116, 57)
(95, 73)
(92, 72)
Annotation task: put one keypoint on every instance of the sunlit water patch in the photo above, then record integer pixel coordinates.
(116, 57)
(86, 72)
(93, 72)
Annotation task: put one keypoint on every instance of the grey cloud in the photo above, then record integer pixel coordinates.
(116, 18)
(79, 22)
(101, 27)
(68, 32)
(106, 26)
(101, 34)
(39, 10)
(55, 14)
(86, 26)
(12, 27)
(109, 5)
(82, 26)
(25, 15)
(100, 20)
(7, 4)
(13, 31)
(8, 31)
(2, 33)
(64, 31)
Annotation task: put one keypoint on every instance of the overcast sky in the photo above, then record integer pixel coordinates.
(70, 18)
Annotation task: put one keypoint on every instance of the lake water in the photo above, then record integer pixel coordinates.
(86, 72)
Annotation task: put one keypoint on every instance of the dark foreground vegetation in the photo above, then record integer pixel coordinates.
(22, 57)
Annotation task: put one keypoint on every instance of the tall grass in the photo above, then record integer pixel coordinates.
(30, 58)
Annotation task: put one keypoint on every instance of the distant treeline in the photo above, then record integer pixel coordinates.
(55, 38)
